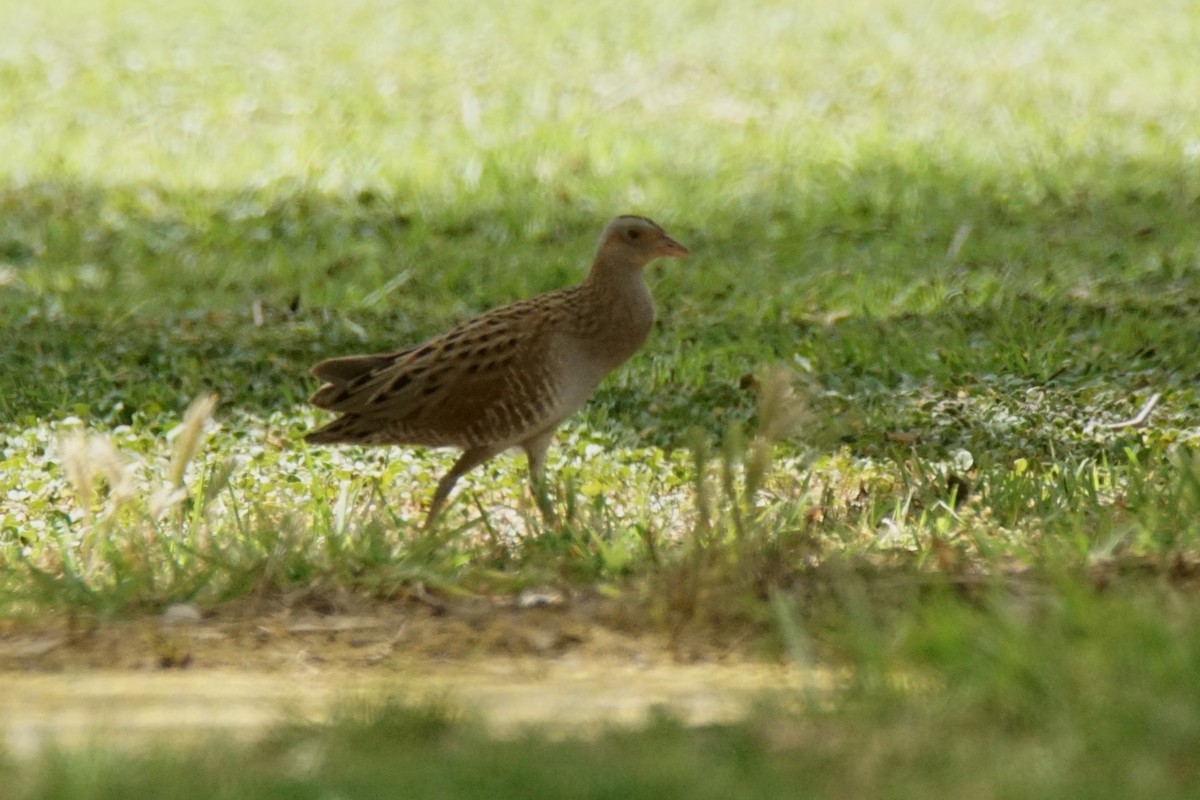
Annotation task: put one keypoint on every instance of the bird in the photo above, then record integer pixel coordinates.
(507, 378)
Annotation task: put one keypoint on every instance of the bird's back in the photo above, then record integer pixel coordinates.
(494, 379)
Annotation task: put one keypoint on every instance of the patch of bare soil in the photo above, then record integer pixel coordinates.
(317, 629)
(541, 657)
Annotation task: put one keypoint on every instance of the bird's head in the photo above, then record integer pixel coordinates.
(637, 241)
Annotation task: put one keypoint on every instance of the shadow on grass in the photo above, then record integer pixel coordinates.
(871, 376)
(140, 298)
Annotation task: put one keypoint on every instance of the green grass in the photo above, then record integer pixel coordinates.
(970, 231)
(1021, 700)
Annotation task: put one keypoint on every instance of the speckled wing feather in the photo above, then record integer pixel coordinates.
(455, 389)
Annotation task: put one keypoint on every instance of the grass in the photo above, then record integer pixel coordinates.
(1030, 702)
(969, 231)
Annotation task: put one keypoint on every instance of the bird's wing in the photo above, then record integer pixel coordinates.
(446, 382)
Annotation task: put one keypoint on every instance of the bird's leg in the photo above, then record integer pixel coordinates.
(535, 451)
(470, 459)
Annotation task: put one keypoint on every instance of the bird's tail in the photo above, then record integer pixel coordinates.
(350, 376)
(350, 429)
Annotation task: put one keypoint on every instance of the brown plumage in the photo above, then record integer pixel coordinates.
(507, 378)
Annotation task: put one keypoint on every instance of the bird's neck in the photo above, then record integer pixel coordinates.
(619, 284)
(623, 307)
(612, 274)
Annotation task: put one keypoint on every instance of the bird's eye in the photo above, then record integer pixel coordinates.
(634, 234)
